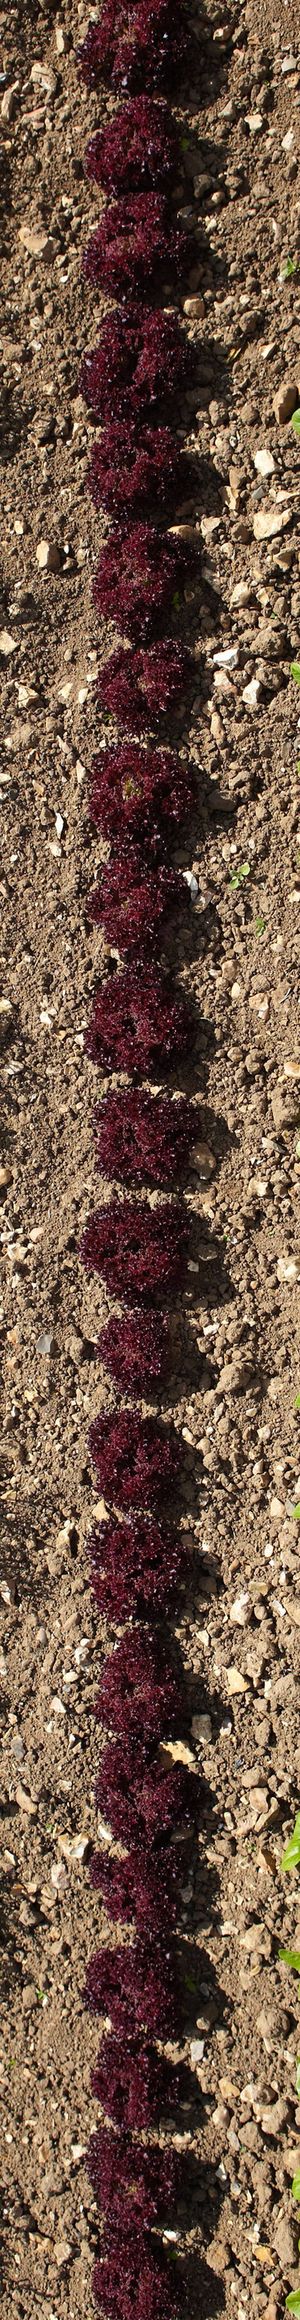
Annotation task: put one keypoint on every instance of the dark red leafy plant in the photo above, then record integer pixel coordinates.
(144, 1138)
(137, 1987)
(132, 2182)
(138, 792)
(137, 1025)
(143, 1801)
(135, 1567)
(142, 356)
(135, 1349)
(140, 1027)
(132, 902)
(144, 1886)
(136, 1460)
(134, 465)
(139, 1691)
(135, 2087)
(137, 1249)
(137, 577)
(138, 149)
(135, 237)
(133, 2281)
(133, 46)
(140, 687)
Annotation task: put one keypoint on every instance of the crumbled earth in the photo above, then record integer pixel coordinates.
(236, 1369)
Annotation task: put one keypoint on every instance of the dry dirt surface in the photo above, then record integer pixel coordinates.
(239, 1376)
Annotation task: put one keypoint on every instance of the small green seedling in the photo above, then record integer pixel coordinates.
(291, 1855)
(296, 422)
(298, 2075)
(260, 925)
(293, 2303)
(295, 671)
(296, 1512)
(289, 267)
(291, 1958)
(296, 2186)
(244, 871)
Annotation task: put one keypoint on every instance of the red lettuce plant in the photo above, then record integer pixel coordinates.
(132, 902)
(144, 1886)
(132, 2182)
(142, 1800)
(136, 1460)
(137, 577)
(135, 237)
(137, 1025)
(132, 466)
(142, 357)
(144, 1138)
(138, 149)
(135, 1350)
(135, 793)
(137, 1249)
(133, 46)
(135, 2087)
(135, 1567)
(133, 2281)
(140, 687)
(136, 1987)
(139, 1692)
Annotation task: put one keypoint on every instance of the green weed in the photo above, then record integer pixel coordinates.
(289, 267)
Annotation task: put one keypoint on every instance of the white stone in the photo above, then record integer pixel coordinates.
(264, 462)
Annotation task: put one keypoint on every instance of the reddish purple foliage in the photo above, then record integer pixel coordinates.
(139, 687)
(137, 1025)
(138, 149)
(138, 573)
(137, 1249)
(136, 1460)
(133, 46)
(135, 236)
(133, 2281)
(132, 902)
(135, 791)
(139, 1692)
(142, 356)
(136, 1987)
(143, 1138)
(136, 2087)
(131, 2181)
(144, 1887)
(135, 1567)
(129, 469)
(143, 1801)
(135, 1349)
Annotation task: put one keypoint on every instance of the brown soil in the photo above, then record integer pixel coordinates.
(238, 1405)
